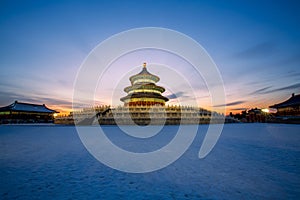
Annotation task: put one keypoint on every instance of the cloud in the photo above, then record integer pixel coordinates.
(293, 74)
(266, 91)
(176, 95)
(290, 87)
(291, 60)
(260, 91)
(237, 109)
(231, 103)
(9, 97)
(259, 50)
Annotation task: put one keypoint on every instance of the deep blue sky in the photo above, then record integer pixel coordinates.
(255, 44)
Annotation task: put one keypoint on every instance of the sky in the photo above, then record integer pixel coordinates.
(254, 44)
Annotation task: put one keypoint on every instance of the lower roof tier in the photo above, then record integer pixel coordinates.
(144, 96)
(147, 100)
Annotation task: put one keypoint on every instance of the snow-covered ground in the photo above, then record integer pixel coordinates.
(250, 161)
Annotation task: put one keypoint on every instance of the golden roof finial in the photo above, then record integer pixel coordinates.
(144, 65)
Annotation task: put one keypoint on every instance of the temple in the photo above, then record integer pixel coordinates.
(144, 104)
(144, 91)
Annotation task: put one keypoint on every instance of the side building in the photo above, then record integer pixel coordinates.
(19, 112)
(288, 111)
(290, 107)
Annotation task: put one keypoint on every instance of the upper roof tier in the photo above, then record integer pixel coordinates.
(144, 77)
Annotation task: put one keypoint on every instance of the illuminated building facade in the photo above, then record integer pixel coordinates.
(19, 112)
(290, 107)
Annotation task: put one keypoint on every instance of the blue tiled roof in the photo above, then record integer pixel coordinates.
(144, 72)
(27, 107)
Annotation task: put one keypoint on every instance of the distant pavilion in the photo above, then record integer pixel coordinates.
(143, 90)
(19, 112)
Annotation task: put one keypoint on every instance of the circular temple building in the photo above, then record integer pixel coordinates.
(143, 90)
